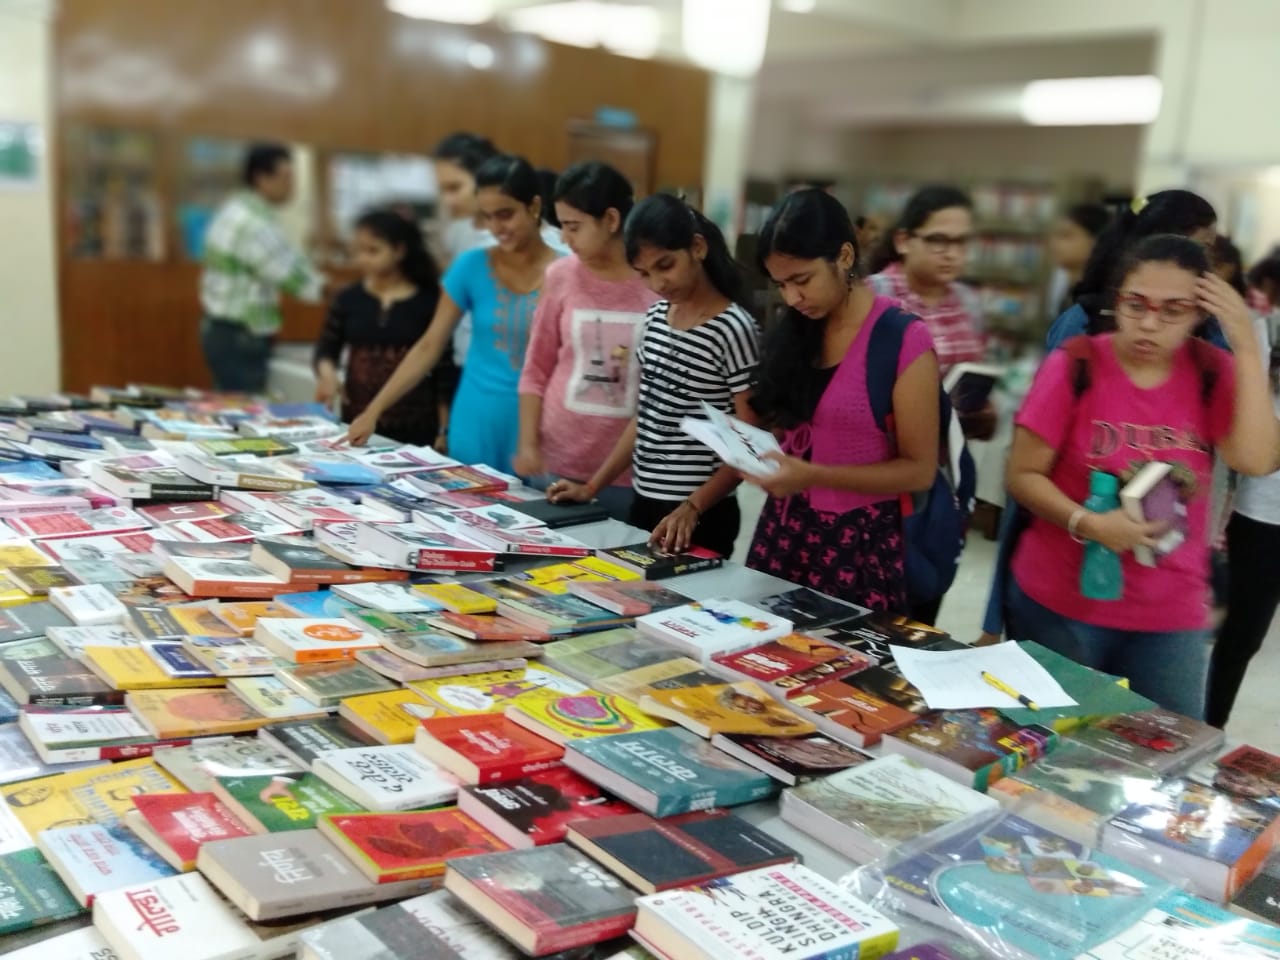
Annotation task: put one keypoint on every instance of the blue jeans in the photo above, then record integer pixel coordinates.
(616, 501)
(1171, 668)
(237, 358)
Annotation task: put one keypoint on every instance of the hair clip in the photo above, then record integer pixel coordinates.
(1138, 204)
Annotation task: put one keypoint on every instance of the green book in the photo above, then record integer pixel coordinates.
(1097, 694)
(31, 894)
(327, 684)
(275, 804)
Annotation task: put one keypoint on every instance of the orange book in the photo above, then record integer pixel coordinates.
(173, 714)
(711, 708)
(387, 847)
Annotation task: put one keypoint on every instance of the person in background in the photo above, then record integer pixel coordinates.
(580, 379)
(1071, 242)
(1228, 263)
(1148, 399)
(499, 287)
(833, 520)
(869, 228)
(378, 319)
(699, 344)
(248, 263)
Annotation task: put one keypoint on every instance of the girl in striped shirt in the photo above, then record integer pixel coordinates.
(698, 344)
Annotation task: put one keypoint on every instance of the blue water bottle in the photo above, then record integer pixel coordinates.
(1101, 574)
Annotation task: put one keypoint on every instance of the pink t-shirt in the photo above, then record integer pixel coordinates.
(1117, 427)
(843, 431)
(581, 360)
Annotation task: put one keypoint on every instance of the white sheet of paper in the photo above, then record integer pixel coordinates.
(952, 679)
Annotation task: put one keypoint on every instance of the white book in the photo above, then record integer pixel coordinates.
(302, 640)
(740, 445)
(252, 473)
(387, 597)
(393, 463)
(94, 858)
(92, 605)
(73, 640)
(61, 735)
(495, 516)
(83, 944)
(271, 697)
(384, 778)
(732, 917)
(716, 625)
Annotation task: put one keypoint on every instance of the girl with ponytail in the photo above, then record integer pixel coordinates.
(698, 344)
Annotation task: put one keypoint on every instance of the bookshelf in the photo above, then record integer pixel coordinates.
(113, 194)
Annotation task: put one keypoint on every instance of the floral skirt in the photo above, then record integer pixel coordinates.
(857, 556)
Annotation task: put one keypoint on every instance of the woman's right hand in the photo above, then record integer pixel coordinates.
(528, 462)
(327, 386)
(1119, 533)
(362, 428)
(569, 491)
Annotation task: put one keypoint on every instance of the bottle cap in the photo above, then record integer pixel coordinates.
(1103, 484)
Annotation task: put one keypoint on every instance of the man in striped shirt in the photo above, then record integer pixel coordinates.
(248, 263)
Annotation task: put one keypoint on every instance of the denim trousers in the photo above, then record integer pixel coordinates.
(1170, 667)
(237, 358)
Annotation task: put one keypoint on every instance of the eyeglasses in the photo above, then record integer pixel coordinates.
(1134, 306)
(940, 243)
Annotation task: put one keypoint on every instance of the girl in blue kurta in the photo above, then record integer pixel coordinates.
(499, 287)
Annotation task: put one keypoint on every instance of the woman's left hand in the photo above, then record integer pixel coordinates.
(792, 476)
(1219, 298)
(674, 532)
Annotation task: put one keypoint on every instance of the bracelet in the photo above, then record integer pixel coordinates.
(1079, 514)
(688, 502)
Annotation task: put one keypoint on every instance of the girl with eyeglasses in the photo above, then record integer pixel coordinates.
(698, 344)
(1147, 399)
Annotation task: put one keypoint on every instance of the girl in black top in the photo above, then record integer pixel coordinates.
(378, 319)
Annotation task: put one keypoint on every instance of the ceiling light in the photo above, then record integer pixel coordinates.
(726, 36)
(632, 31)
(1091, 101)
(447, 11)
(481, 56)
(797, 6)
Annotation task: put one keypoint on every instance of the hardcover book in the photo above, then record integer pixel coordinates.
(485, 748)
(387, 847)
(386, 777)
(536, 810)
(267, 803)
(653, 855)
(664, 772)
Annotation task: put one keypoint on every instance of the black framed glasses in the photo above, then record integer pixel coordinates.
(940, 243)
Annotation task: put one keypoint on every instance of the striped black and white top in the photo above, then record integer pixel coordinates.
(678, 369)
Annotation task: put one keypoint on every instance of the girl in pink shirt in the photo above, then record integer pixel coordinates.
(580, 377)
(1151, 395)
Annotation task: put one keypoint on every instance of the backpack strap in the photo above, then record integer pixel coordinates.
(883, 350)
(1080, 350)
(1202, 352)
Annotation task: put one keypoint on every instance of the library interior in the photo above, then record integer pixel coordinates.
(639, 480)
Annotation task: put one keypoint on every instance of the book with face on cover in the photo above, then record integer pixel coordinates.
(485, 748)
(537, 809)
(95, 858)
(387, 847)
(543, 899)
(93, 794)
(198, 765)
(390, 717)
(702, 629)
(172, 714)
(387, 777)
(283, 875)
(175, 825)
(730, 917)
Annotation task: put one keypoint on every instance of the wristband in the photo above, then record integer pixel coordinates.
(1079, 514)
(688, 502)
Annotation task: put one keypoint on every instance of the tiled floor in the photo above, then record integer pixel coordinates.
(1255, 719)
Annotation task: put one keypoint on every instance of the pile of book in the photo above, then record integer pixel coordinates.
(265, 694)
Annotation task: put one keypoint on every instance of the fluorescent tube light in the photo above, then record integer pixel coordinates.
(726, 36)
(629, 30)
(1091, 101)
(446, 11)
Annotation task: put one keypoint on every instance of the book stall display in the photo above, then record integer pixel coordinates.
(263, 696)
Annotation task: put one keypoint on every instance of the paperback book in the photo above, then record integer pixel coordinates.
(486, 748)
(973, 747)
(1160, 740)
(95, 858)
(176, 825)
(390, 717)
(305, 741)
(302, 640)
(267, 803)
(387, 847)
(326, 685)
(791, 760)
(713, 626)
(198, 765)
(274, 699)
(538, 809)
(386, 777)
(561, 719)
(711, 708)
(652, 563)
(790, 665)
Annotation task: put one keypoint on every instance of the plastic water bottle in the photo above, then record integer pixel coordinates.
(1101, 575)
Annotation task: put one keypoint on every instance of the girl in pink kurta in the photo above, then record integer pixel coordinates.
(580, 378)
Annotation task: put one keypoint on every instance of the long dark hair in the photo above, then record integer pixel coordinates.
(467, 150)
(514, 176)
(1224, 252)
(1092, 218)
(924, 203)
(1170, 248)
(668, 223)
(1178, 212)
(396, 230)
(595, 188)
(809, 225)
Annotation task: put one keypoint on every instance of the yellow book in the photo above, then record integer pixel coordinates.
(607, 570)
(457, 598)
(20, 552)
(90, 795)
(391, 717)
(711, 708)
(557, 577)
(201, 621)
(132, 668)
(564, 718)
(493, 692)
(242, 617)
(11, 595)
(634, 684)
(173, 714)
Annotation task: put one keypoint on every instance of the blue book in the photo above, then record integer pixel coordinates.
(306, 409)
(9, 710)
(30, 469)
(1181, 925)
(669, 771)
(315, 604)
(176, 662)
(1020, 889)
(342, 473)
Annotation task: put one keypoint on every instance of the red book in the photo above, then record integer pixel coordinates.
(536, 810)
(851, 715)
(490, 627)
(389, 847)
(169, 512)
(52, 526)
(485, 748)
(181, 822)
(794, 663)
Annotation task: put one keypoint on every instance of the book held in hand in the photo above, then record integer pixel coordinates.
(969, 385)
(1155, 494)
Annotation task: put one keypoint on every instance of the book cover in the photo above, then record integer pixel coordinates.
(654, 855)
(273, 698)
(560, 719)
(403, 846)
(981, 742)
(93, 794)
(670, 674)
(490, 627)
(1181, 925)
(22, 552)
(416, 548)
(559, 614)
(711, 708)
(1260, 897)
(133, 668)
(441, 649)
(301, 562)
(275, 803)
(1098, 782)
(229, 657)
(468, 479)
(791, 760)
(387, 777)
(629, 598)
(457, 598)
(537, 809)
(708, 627)
(808, 609)
(202, 577)
(83, 943)
(733, 916)
(174, 660)
(311, 641)
(390, 717)
(241, 617)
(52, 526)
(494, 692)
(486, 748)
(55, 680)
(30, 620)
(388, 597)
(874, 635)
(327, 684)
(777, 661)
(850, 714)
(557, 897)
(197, 765)
(593, 657)
(255, 446)
(664, 772)
(73, 734)
(655, 564)
(171, 714)
(1160, 740)
(210, 530)
(304, 741)
(1250, 773)
(33, 894)
(184, 821)
(95, 858)
(37, 581)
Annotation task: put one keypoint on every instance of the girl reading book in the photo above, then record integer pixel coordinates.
(833, 519)
(499, 287)
(1154, 393)
(698, 345)
(580, 379)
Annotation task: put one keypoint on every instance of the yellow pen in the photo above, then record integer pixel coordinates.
(1006, 689)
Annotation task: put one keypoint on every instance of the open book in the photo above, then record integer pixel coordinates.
(969, 385)
(738, 444)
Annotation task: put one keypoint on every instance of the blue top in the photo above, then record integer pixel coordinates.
(484, 427)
